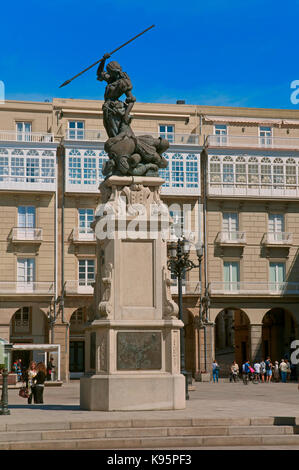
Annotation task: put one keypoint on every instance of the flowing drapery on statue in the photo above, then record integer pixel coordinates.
(128, 154)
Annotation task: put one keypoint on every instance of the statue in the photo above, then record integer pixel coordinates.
(128, 154)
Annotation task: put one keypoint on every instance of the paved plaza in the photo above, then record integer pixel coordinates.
(208, 400)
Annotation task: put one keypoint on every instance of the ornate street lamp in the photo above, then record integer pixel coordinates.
(179, 263)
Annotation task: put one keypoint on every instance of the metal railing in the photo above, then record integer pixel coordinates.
(277, 238)
(100, 135)
(19, 287)
(254, 288)
(96, 135)
(252, 141)
(16, 136)
(26, 234)
(234, 238)
(79, 287)
(189, 287)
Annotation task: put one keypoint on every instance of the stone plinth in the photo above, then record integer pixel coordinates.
(133, 336)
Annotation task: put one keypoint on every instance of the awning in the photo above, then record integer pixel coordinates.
(242, 119)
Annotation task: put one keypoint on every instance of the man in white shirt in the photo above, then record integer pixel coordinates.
(257, 368)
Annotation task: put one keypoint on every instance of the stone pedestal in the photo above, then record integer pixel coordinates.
(133, 336)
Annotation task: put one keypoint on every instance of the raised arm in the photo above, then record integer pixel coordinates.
(101, 75)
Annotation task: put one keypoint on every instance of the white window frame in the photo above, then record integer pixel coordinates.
(231, 286)
(168, 135)
(24, 135)
(277, 286)
(86, 282)
(266, 138)
(221, 137)
(26, 284)
(77, 133)
(85, 232)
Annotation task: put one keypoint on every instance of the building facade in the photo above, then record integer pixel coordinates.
(239, 198)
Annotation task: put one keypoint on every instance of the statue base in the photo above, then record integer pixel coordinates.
(132, 342)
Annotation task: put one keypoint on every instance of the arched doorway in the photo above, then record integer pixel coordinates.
(29, 324)
(77, 343)
(232, 338)
(278, 332)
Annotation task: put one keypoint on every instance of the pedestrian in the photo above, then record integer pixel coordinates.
(263, 370)
(19, 370)
(216, 368)
(276, 371)
(39, 381)
(51, 370)
(234, 372)
(257, 370)
(29, 378)
(283, 370)
(268, 370)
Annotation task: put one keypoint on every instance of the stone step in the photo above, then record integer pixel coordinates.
(154, 443)
(149, 423)
(112, 433)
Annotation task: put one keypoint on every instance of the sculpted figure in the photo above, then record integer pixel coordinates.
(128, 154)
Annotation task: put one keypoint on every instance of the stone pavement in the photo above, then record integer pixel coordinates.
(208, 400)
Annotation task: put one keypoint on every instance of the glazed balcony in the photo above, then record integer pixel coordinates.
(26, 235)
(231, 238)
(279, 239)
(253, 288)
(14, 136)
(253, 141)
(26, 288)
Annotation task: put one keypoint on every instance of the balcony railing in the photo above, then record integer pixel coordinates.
(231, 238)
(18, 287)
(253, 141)
(83, 235)
(92, 135)
(254, 288)
(15, 136)
(277, 239)
(26, 234)
(100, 135)
(188, 287)
(78, 287)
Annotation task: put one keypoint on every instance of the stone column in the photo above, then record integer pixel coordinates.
(61, 336)
(133, 336)
(256, 342)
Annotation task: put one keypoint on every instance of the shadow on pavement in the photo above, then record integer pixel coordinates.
(45, 407)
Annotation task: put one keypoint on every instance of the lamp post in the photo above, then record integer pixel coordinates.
(4, 396)
(179, 263)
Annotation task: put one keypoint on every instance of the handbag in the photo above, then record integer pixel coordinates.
(24, 392)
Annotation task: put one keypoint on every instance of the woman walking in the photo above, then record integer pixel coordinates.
(39, 380)
(216, 368)
(31, 373)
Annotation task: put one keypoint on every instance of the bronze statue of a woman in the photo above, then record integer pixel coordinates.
(128, 154)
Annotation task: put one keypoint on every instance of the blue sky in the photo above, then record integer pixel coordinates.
(215, 52)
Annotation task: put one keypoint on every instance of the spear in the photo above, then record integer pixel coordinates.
(117, 49)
